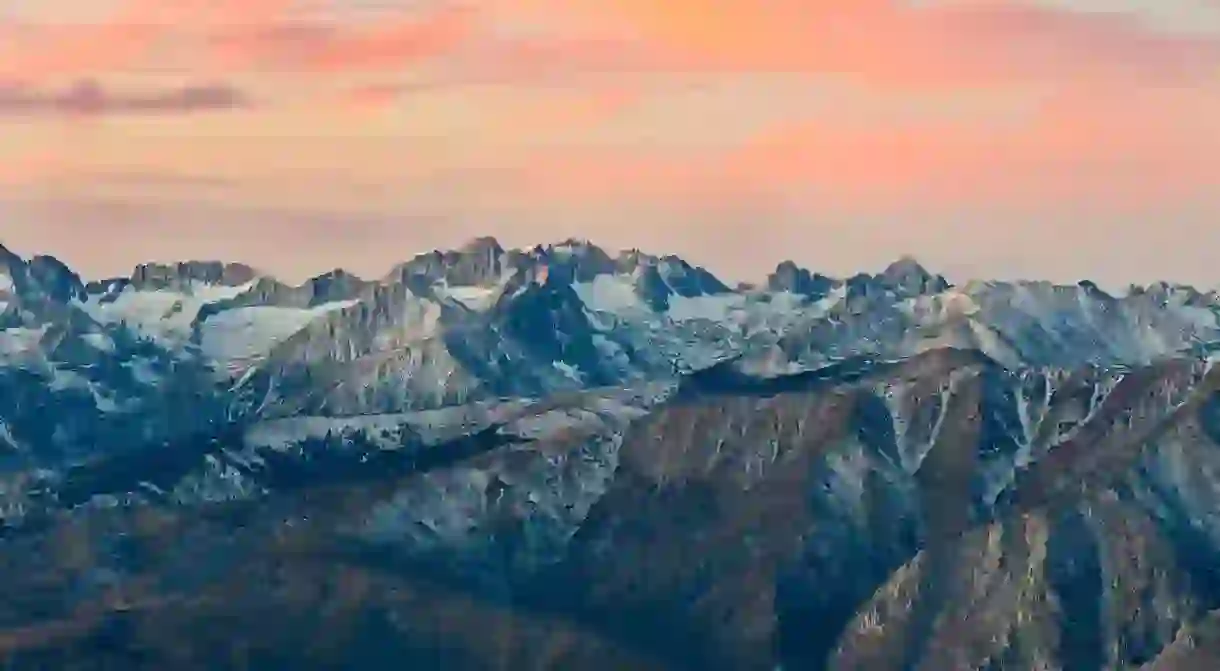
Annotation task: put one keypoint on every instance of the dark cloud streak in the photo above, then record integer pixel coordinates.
(90, 98)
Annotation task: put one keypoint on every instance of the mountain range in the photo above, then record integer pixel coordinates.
(562, 457)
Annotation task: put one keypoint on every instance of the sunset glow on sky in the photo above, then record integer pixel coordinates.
(1050, 138)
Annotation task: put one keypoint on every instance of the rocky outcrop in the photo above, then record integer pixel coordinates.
(792, 278)
(181, 275)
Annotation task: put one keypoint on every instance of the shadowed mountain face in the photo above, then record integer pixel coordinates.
(563, 458)
(941, 512)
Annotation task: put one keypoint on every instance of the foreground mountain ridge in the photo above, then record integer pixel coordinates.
(559, 458)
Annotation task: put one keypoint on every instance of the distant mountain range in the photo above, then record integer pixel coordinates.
(561, 457)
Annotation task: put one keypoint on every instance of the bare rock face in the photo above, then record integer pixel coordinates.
(33, 291)
(335, 286)
(481, 261)
(907, 278)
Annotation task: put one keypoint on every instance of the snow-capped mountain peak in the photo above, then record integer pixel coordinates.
(482, 320)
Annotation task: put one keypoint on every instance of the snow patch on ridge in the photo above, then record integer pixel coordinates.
(242, 334)
(20, 345)
(164, 316)
(609, 293)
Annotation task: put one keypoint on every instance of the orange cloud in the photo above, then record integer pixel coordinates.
(33, 53)
(883, 41)
(878, 40)
(1103, 146)
(83, 49)
(1107, 145)
(547, 112)
(397, 44)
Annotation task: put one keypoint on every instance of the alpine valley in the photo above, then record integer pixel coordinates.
(564, 458)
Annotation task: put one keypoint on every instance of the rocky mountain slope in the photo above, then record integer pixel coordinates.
(559, 458)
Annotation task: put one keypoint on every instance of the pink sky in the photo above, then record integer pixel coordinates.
(989, 137)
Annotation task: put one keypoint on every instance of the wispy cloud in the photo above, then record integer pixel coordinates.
(313, 46)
